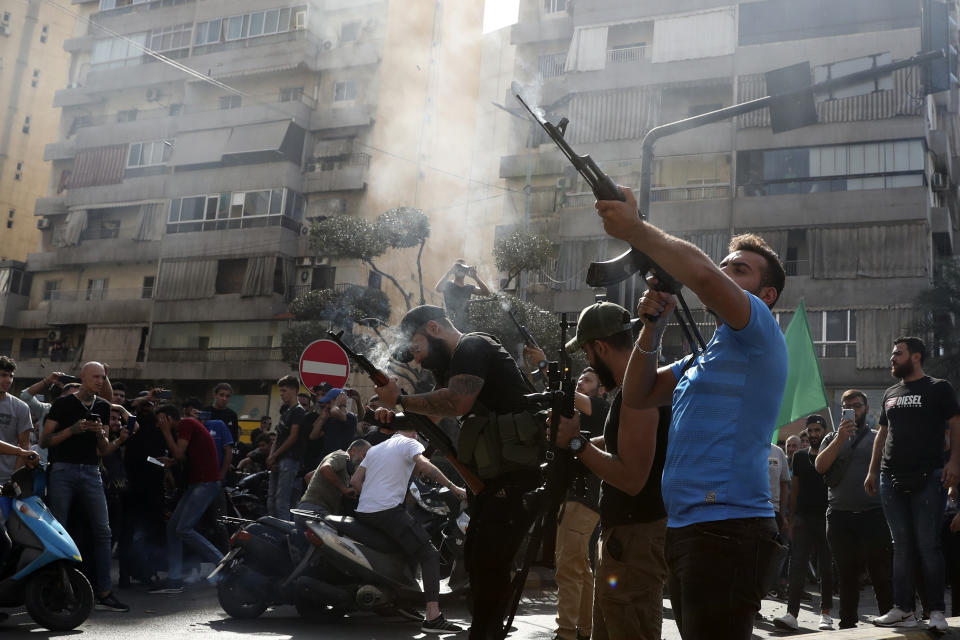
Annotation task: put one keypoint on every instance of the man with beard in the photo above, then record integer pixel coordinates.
(330, 481)
(477, 379)
(913, 479)
(856, 529)
(628, 458)
(808, 531)
(721, 536)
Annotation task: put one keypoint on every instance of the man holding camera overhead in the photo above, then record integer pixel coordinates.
(457, 294)
(721, 532)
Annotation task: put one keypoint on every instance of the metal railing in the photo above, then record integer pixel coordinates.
(96, 295)
(250, 354)
(552, 65)
(627, 54)
(352, 160)
(681, 194)
(578, 200)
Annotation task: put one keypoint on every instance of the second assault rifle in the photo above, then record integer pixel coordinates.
(421, 424)
(635, 261)
(530, 342)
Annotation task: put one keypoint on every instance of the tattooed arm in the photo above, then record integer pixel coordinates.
(455, 400)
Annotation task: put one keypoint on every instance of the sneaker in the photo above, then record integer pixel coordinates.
(826, 622)
(938, 622)
(169, 588)
(787, 621)
(896, 617)
(440, 625)
(110, 603)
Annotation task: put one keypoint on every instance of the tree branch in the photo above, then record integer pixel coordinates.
(396, 283)
(420, 270)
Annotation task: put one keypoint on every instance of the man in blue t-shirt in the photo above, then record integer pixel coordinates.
(721, 536)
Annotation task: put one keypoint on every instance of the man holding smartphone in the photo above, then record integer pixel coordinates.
(457, 294)
(74, 432)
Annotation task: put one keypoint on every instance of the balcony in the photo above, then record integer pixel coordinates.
(63, 150)
(11, 304)
(263, 54)
(342, 117)
(683, 194)
(215, 364)
(620, 55)
(230, 307)
(355, 54)
(130, 190)
(50, 206)
(104, 251)
(552, 28)
(117, 306)
(216, 355)
(348, 174)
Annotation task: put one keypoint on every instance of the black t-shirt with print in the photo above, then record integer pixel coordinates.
(80, 448)
(618, 507)
(916, 414)
(289, 417)
(812, 494)
(479, 354)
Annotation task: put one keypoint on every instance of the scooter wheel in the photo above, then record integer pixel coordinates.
(238, 598)
(52, 605)
(319, 613)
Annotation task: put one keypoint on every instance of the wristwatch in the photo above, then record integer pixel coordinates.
(576, 444)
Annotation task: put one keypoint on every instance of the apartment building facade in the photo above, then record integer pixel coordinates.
(197, 141)
(859, 205)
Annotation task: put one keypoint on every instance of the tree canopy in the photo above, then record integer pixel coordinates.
(939, 309)
(522, 251)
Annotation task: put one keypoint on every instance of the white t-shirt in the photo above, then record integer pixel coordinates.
(779, 472)
(388, 467)
(14, 420)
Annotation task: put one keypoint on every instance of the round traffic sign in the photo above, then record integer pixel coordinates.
(324, 361)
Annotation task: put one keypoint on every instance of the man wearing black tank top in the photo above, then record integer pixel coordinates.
(74, 432)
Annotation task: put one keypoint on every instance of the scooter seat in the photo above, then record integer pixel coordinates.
(285, 526)
(364, 534)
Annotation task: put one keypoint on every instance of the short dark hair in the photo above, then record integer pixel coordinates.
(622, 341)
(169, 410)
(222, 386)
(192, 403)
(118, 386)
(7, 364)
(588, 370)
(854, 393)
(289, 382)
(262, 438)
(913, 345)
(774, 275)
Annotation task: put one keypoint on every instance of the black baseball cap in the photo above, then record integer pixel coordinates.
(410, 323)
(818, 419)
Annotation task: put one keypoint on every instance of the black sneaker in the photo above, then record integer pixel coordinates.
(169, 588)
(440, 625)
(110, 603)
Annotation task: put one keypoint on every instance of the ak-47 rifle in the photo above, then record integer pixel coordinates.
(635, 261)
(419, 423)
(530, 342)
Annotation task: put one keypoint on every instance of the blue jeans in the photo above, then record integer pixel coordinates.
(915, 521)
(180, 528)
(68, 482)
(280, 493)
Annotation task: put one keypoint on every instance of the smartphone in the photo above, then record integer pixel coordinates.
(165, 395)
(847, 414)
(93, 417)
(153, 460)
(131, 423)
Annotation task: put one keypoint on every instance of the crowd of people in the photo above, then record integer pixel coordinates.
(675, 464)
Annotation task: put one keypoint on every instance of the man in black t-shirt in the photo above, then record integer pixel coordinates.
(220, 411)
(74, 432)
(457, 294)
(474, 374)
(631, 566)
(808, 530)
(287, 452)
(912, 479)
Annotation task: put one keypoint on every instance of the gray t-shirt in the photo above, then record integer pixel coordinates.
(778, 468)
(14, 420)
(850, 495)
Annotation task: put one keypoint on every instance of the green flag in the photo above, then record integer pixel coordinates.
(804, 393)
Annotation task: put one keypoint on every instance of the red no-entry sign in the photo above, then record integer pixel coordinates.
(324, 361)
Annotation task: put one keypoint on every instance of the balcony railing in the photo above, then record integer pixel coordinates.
(552, 65)
(352, 160)
(250, 354)
(578, 200)
(682, 194)
(98, 294)
(627, 54)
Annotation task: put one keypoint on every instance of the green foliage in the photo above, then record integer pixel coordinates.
(522, 251)
(939, 325)
(403, 227)
(347, 237)
(295, 339)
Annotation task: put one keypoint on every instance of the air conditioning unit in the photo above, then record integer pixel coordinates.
(54, 335)
(939, 181)
(327, 44)
(300, 20)
(305, 261)
(561, 183)
(4, 29)
(43, 224)
(153, 95)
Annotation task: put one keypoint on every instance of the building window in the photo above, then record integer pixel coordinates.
(291, 94)
(349, 31)
(127, 115)
(26, 124)
(147, 154)
(846, 67)
(36, 78)
(147, 291)
(344, 91)
(50, 288)
(230, 274)
(19, 173)
(851, 167)
(374, 280)
(230, 102)
(834, 333)
(250, 25)
(9, 224)
(44, 32)
(208, 32)
(173, 38)
(111, 53)
(236, 210)
(554, 6)
(96, 289)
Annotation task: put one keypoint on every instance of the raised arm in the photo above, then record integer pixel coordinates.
(484, 289)
(426, 468)
(443, 280)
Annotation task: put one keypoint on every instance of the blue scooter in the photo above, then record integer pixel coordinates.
(41, 570)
